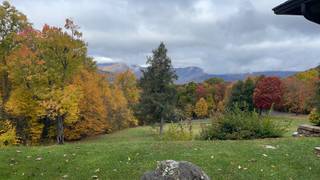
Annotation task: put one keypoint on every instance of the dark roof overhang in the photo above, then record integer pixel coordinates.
(310, 9)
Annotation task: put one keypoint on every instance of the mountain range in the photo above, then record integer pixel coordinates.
(189, 74)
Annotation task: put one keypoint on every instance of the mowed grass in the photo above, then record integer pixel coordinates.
(129, 153)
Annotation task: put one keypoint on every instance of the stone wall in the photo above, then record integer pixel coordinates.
(309, 131)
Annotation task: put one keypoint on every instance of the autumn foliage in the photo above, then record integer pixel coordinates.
(298, 95)
(52, 90)
(268, 92)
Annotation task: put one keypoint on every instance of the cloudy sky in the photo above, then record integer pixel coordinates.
(220, 36)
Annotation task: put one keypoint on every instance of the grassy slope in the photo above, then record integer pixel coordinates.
(129, 153)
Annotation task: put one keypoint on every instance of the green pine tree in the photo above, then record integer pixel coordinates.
(158, 91)
(248, 89)
(242, 95)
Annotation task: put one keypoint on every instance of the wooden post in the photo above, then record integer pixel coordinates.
(161, 126)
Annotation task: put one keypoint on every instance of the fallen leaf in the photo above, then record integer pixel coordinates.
(252, 160)
(39, 159)
(65, 176)
(269, 147)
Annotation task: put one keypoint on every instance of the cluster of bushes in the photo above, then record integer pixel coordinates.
(237, 124)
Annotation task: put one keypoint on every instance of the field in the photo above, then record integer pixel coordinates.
(129, 153)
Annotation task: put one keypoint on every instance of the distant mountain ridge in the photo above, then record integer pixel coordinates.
(195, 74)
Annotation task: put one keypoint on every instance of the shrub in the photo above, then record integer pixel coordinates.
(7, 134)
(177, 132)
(236, 125)
(314, 117)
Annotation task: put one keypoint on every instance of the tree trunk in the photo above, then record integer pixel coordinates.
(5, 87)
(190, 125)
(161, 126)
(60, 131)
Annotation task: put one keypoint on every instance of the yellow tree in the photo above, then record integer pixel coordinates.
(127, 82)
(65, 55)
(119, 113)
(62, 107)
(27, 75)
(44, 64)
(34, 98)
(201, 108)
(92, 111)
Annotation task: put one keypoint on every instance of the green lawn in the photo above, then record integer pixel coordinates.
(128, 154)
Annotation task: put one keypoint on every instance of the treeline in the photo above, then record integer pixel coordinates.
(296, 94)
(50, 87)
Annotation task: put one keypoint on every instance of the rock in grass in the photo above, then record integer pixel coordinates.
(38, 158)
(295, 134)
(174, 170)
(65, 176)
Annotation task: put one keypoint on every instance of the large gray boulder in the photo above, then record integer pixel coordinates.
(174, 170)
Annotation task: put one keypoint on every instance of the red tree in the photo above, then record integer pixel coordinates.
(268, 92)
(201, 91)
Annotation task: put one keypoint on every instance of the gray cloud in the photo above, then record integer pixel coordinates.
(226, 36)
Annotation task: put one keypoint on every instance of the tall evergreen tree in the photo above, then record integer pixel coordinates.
(242, 95)
(248, 90)
(236, 96)
(158, 91)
